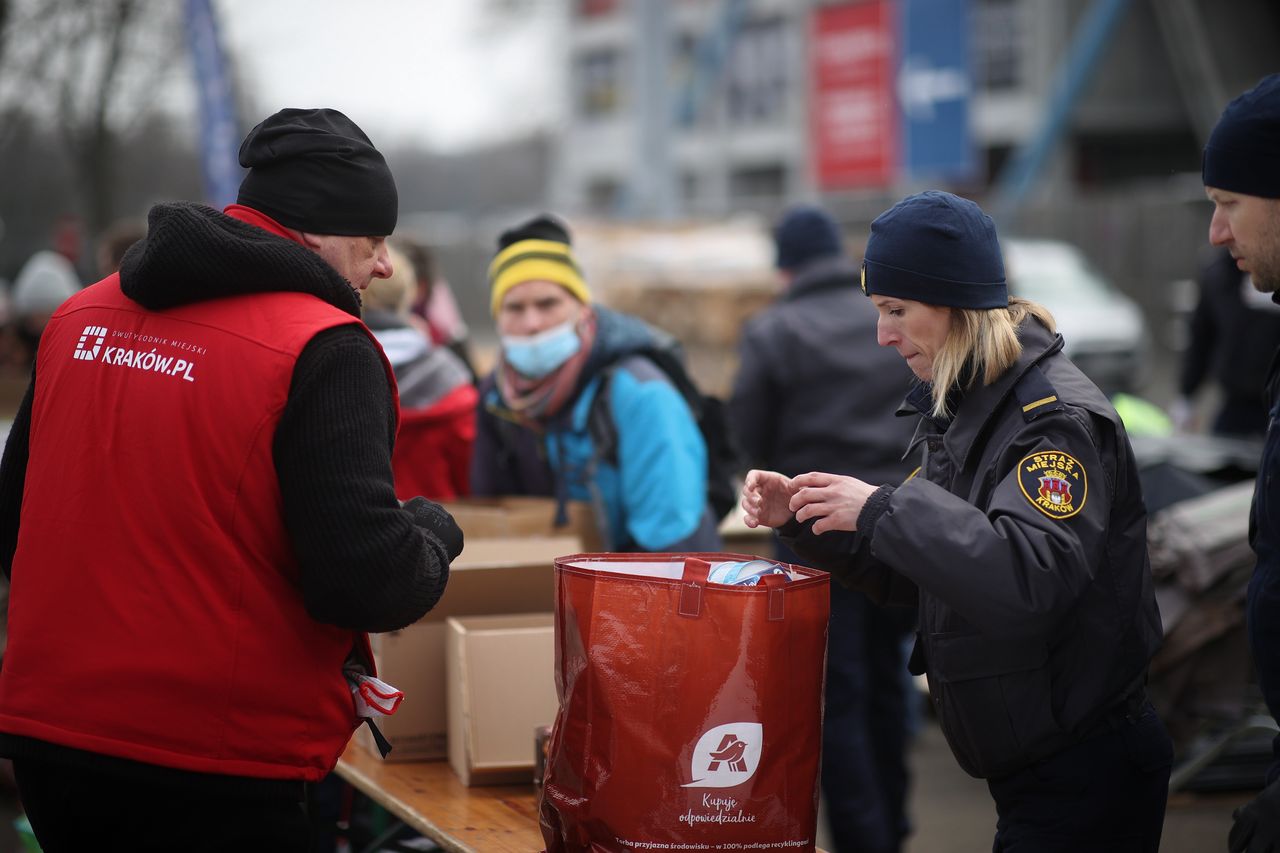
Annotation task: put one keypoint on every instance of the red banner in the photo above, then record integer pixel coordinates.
(852, 108)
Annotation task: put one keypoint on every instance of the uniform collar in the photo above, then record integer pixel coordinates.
(981, 405)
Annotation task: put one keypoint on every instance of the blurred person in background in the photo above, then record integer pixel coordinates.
(432, 455)
(815, 393)
(198, 518)
(1234, 332)
(559, 353)
(1021, 538)
(115, 241)
(1241, 172)
(434, 304)
(45, 281)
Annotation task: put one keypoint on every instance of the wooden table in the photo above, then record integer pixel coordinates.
(427, 796)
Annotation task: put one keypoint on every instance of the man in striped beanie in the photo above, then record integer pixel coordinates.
(580, 405)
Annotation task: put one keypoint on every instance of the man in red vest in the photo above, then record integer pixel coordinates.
(198, 517)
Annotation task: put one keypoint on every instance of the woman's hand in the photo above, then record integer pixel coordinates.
(766, 496)
(834, 500)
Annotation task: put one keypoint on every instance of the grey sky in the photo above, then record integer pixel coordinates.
(439, 72)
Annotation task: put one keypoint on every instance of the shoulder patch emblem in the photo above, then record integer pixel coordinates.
(1054, 482)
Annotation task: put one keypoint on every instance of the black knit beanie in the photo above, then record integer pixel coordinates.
(936, 248)
(544, 226)
(805, 233)
(1243, 154)
(316, 171)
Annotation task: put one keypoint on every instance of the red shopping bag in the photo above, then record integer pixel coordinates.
(690, 712)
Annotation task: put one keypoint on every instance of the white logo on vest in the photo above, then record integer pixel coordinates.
(90, 353)
(139, 356)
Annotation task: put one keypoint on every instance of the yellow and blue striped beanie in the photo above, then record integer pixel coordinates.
(537, 250)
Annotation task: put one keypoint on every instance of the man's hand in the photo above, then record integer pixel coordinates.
(765, 498)
(435, 518)
(1257, 824)
(834, 500)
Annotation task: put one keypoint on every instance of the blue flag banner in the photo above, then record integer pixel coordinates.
(219, 131)
(934, 89)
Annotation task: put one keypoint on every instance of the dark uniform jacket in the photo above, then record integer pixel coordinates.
(1023, 541)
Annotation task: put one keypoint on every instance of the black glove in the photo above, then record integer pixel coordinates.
(435, 518)
(1257, 824)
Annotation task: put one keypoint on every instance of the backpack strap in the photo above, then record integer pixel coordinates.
(600, 425)
(709, 416)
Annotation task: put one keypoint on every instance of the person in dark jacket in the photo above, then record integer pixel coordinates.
(1241, 171)
(565, 364)
(814, 393)
(1021, 538)
(198, 518)
(1234, 331)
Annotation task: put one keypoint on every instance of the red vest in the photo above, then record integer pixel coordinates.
(155, 613)
(432, 456)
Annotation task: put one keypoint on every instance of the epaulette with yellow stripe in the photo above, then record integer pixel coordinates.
(1035, 395)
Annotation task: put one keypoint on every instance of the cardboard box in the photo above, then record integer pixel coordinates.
(501, 689)
(501, 575)
(523, 516)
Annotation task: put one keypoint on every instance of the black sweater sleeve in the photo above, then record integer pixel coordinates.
(365, 562)
(13, 476)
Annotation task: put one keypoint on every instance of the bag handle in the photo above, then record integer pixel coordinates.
(777, 586)
(691, 584)
(694, 579)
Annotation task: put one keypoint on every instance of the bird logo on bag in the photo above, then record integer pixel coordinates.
(726, 755)
(731, 752)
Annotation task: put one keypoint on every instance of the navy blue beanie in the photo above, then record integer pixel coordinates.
(805, 233)
(936, 248)
(1243, 154)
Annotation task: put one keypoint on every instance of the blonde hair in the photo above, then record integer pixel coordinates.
(985, 343)
(393, 294)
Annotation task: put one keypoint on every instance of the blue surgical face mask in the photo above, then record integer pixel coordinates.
(537, 355)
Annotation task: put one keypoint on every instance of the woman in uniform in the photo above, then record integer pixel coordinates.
(1021, 539)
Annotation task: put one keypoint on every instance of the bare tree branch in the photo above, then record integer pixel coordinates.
(5, 7)
(89, 69)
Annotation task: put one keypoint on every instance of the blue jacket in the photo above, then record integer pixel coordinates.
(654, 498)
